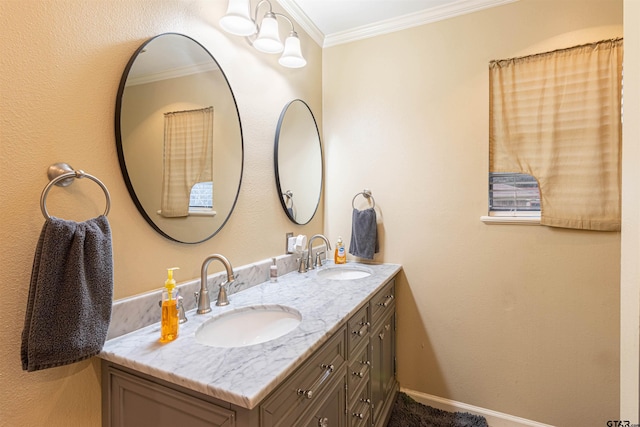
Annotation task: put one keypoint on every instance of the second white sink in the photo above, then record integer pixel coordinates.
(248, 326)
(344, 272)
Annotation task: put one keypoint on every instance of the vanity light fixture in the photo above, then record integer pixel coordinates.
(238, 21)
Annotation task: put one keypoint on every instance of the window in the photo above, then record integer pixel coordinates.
(513, 194)
(556, 116)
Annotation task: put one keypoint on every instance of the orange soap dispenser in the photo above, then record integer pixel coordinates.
(339, 255)
(169, 320)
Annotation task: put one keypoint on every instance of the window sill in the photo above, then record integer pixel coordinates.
(197, 212)
(510, 220)
(203, 212)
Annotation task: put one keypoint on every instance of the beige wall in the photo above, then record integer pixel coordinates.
(61, 64)
(517, 319)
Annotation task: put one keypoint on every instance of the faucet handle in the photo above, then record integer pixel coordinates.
(319, 258)
(302, 267)
(222, 295)
(182, 317)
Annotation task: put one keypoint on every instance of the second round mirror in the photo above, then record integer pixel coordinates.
(298, 162)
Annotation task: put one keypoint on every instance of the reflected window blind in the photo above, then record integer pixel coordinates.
(557, 117)
(513, 193)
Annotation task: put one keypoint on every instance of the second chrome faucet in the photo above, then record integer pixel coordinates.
(204, 303)
(318, 261)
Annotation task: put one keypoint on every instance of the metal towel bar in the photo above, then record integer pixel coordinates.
(62, 175)
(367, 195)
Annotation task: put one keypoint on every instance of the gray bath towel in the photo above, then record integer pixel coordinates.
(70, 295)
(364, 234)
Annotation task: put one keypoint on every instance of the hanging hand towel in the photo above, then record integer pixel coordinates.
(364, 234)
(70, 295)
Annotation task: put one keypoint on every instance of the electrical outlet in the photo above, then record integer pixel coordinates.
(290, 243)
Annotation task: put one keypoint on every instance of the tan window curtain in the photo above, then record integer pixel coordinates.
(557, 116)
(188, 157)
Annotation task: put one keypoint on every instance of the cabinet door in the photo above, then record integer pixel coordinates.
(382, 364)
(136, 402)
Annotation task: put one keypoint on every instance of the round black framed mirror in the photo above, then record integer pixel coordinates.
(179, 138)
(298, 162)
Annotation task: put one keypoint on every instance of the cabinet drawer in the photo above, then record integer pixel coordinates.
(358, 328)
(383, 301)
(359, 411)
(300, 391)
(358, 371)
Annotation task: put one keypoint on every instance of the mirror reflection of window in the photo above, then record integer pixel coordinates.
(201, 199)
(188, 158)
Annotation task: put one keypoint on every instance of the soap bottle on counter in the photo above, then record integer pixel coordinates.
(339, 255)
(169, 320)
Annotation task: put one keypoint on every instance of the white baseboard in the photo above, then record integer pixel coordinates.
(494, 418)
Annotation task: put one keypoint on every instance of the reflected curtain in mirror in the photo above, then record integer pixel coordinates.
(557, 116)
(188, 157)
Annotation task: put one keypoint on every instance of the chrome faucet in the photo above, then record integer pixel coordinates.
(311, 265)
(204, 304)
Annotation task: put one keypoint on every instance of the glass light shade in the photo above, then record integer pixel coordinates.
(238, 20)
(292, 55)
(268, 40)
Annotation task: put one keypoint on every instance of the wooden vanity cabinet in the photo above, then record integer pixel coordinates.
(348, 382)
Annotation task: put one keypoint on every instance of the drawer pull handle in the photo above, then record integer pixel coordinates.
(367, 401)
(328, 369)
(359, 416)
(323, 422)
(387, 301)
(365, 364)
(363, 330)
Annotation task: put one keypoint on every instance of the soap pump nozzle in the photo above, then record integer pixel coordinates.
(170, 283)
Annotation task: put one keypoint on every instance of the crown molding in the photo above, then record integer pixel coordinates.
(172, 73)
(427, 16)
(301, 18)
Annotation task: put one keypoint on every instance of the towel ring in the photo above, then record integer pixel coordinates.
(366, 194)
(288, 196)
(62, 175)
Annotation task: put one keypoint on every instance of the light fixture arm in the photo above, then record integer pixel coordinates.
(255, 12)
(276, 14)
(286, 18)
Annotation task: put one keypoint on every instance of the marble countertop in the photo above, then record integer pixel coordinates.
(244, 376)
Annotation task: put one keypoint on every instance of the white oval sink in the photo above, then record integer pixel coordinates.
(248, 326)
(344, 272)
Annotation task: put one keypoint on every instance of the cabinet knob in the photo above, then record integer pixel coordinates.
(323, 422)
